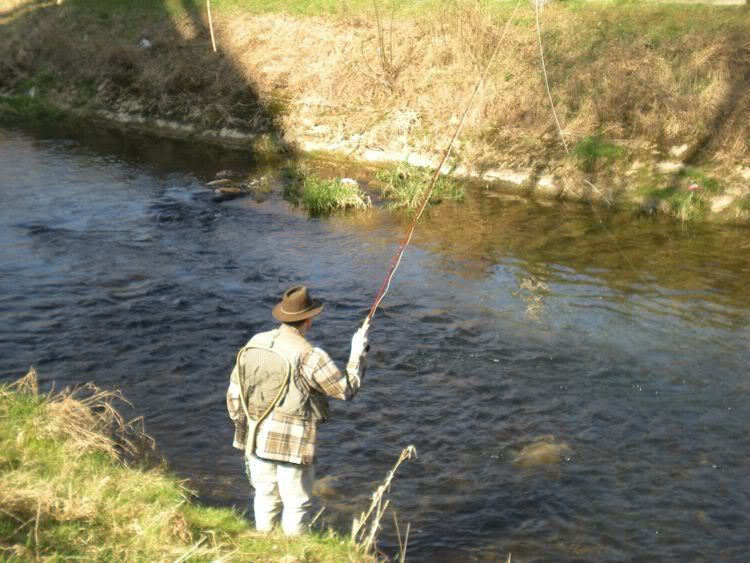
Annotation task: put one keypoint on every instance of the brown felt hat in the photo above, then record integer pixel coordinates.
(296, 305)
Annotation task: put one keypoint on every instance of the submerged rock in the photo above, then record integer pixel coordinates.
(226, 174)
(228, 193)
(220, 182)
(543, 451)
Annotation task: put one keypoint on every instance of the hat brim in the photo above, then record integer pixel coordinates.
(285, 317)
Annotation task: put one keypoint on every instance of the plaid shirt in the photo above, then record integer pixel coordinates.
(291, 439)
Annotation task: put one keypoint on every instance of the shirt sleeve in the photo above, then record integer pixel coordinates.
(324, 377)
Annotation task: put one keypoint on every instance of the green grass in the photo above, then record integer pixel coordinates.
(28, 107)
(677, 201)
(708, 184)
(66, 497)
(681, 202)
(404, 186)
(41, 82)
(320, 196)
(329, 8)
(593, 151)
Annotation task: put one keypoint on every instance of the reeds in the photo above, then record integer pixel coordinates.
(365, 528)
(320, 196)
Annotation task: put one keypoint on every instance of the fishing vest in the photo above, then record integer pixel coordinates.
(269, 364)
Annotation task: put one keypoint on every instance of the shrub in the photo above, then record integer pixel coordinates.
(320, 196)
(404, 186)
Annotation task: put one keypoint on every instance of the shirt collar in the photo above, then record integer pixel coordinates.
(287, 328)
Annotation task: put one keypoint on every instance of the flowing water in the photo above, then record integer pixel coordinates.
(570, 397)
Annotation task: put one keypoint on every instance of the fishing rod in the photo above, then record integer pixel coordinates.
(396, 261)
(565, 143)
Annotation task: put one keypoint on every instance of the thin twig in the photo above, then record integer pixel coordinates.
(398, 534)
(406, 542)
(546, 81)
(16, 518)
(36, 529)
(189, 553)
(315, 518)
(211, 24)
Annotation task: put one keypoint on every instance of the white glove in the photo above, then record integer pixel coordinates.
(359, 343)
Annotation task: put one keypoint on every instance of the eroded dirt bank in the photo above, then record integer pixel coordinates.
(653, 100)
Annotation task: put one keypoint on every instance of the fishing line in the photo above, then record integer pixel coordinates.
(385, 286)
(565, 143)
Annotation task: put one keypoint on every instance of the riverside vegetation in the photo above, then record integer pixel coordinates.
(649, 95)
(71, 488)
(403, 187)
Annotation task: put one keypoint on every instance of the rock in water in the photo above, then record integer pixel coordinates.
(226, 174)
(220, 182)
(543, 451)
(226, 194)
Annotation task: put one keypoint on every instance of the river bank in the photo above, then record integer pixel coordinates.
(652, 99)
(68, 491)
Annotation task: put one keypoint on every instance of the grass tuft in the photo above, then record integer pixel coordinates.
(405, 186)
(28, 107)
(593, 151)
(677, 201)
(320, 196)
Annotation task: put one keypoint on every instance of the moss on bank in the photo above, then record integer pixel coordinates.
(66, 493)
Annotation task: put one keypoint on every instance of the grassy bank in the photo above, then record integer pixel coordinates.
(68, 491)
(643, 90)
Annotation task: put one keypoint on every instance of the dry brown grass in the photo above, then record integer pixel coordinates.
(673, 93)
(86, 419)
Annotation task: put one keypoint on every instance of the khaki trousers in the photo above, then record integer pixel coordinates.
(284, 489)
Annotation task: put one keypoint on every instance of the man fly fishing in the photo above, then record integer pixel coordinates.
(277, 396)
(280, 383)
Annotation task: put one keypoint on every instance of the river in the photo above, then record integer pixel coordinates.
(619, 346)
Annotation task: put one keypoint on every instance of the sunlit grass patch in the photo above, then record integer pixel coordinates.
(404, 186)
(321, 196)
